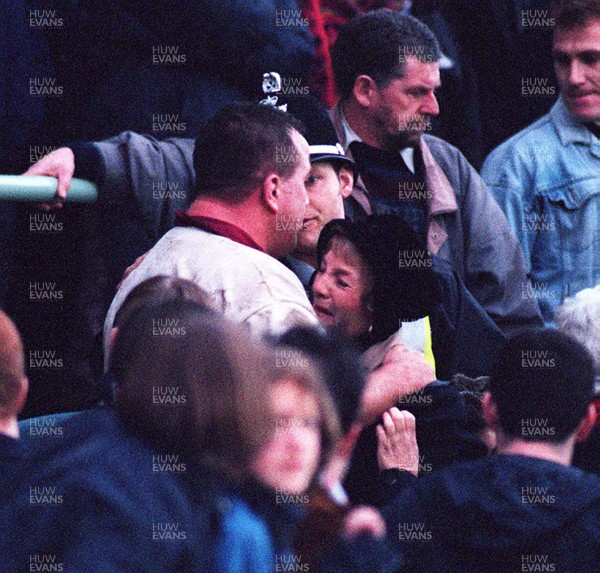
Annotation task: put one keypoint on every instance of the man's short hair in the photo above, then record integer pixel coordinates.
(12, 365)
(239, 146)
(542, 385)
(377, 45)
(574, 13)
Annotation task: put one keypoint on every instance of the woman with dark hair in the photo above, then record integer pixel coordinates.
(378, 285)
(375, 284)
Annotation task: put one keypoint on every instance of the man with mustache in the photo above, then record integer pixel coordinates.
(547, 177)
(386, 69)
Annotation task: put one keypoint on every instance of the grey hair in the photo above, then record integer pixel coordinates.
(579, 317)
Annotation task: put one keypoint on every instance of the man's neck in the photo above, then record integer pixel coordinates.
(243, 216)
(9, 427)
(559, 453)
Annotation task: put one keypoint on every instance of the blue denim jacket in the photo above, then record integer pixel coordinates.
(546, 178)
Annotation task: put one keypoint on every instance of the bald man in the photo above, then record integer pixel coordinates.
(13, 381)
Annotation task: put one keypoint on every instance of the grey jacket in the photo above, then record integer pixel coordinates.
(468, 229)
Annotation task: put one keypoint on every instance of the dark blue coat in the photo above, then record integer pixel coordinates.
(91, 497)
(499, 514)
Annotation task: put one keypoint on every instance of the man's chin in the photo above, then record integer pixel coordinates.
(404, 139)
(306, 246)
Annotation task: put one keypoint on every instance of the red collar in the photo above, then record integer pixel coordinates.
(217, 227)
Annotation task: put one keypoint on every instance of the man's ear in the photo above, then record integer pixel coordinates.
(490, 412)
(586, 425)
(364, 90)
(271, 192)
(22, 395)
(346, 178)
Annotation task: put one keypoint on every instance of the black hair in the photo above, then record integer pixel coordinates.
(574, 13)
(377, 44)
(542, 385)
(239, 146)
(340, 365)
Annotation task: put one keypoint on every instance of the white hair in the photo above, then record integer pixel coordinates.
(579, 317)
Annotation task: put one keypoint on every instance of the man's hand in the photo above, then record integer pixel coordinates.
(60, 163)
(397, 442)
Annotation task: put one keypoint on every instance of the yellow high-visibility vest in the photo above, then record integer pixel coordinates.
(417, 336)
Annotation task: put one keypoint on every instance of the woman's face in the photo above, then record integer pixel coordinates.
(340, 289)
(290, 460)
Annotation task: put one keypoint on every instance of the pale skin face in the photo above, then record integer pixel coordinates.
(576, 56)
(290, 460)
(398, 113)
(340, 288)
(326, 193)
(293, 198)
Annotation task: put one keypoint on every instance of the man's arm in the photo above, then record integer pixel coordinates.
(158, 175)
(496, 271)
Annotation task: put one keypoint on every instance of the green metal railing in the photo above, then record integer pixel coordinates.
(40, 189)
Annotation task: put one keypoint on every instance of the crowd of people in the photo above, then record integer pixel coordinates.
(337, 347)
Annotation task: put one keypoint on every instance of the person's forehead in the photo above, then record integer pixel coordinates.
(322, 166)
(343, 252)
(579, 39)
(285, 393)
(418, 73)
(300, 141)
